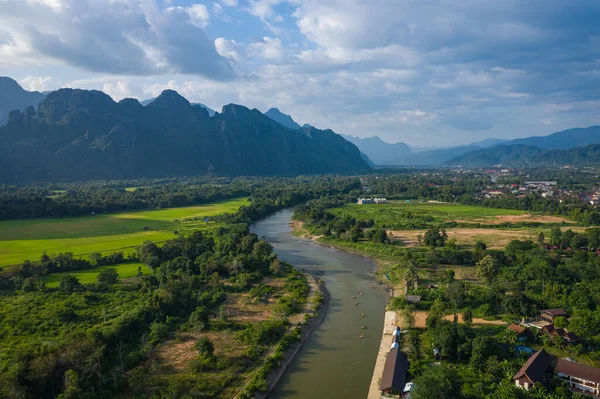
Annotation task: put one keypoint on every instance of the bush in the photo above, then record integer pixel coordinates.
(108, 276)
(158, 332)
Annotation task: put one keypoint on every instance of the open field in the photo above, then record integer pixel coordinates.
(21, 240)
(412, 215)
(88, 276)
(493, 238)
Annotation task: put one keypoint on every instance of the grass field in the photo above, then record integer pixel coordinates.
(416, 215)
(88, 276)
(21, 240)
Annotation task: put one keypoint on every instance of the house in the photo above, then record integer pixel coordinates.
(552, 331)
(380, 200)
(580, 377)
(363, 201)
(550, 314)
(534, 370)
(393, 379)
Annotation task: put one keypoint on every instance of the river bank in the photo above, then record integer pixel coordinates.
(311, 324)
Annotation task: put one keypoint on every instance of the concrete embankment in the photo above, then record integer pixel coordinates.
(384, 347)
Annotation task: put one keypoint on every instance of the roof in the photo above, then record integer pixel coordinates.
(517, 328)
(535, 367)
(578, 370)
(555, 312)
(394, 371)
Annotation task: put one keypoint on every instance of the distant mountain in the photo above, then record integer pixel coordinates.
(533, 150)
(80, 134)
(379, 151)
(282, 118)
(13, 96)
(524, 156)
(211, 112)
(509, 155)
(487, 143)
(563, 140)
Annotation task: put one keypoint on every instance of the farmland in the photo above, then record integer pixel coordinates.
(21, 240)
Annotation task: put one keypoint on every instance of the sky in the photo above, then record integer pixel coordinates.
(429, 73)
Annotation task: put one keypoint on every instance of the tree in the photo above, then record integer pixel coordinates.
(149, 253)
(72, 390)
(480, 350)
(561, 322)
(355, 233)
(434, 237)
(379, 235)
(555, 236)
(414, 343)
(487, 269)
(108, 276)
(541, 239)
(205, 347)
(468, 316)
(408, 316)
(68, 284)
(437, 382)
(410, 274)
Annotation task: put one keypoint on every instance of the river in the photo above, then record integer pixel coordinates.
(334, 362)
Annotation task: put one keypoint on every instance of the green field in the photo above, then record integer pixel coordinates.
(417, 215)
(88, 276)
(21, 240)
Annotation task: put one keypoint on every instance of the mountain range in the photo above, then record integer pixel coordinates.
(13, 96)
(569, 147)
(211, 112)
(80, 134)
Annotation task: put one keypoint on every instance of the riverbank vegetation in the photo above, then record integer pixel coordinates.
(198, 316)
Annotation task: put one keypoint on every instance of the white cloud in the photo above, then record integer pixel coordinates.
(118, 90)
(55, 5)
(197, 12)
(269, 49)
(227, 48)
(135, 37)
(36, 83)
(229, 3)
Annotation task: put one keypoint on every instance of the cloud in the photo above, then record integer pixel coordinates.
(269, 49)
(118, 90)
(36, 83)
(134, 37)
(229, 3)
(227, 48)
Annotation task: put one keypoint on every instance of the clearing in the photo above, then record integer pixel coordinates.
(22, 240)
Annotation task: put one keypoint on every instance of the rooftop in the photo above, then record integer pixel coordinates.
(394, 371)
(535, 367)
(578, 370)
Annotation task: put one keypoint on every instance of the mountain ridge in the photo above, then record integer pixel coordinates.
(14, 97)
(82, 134)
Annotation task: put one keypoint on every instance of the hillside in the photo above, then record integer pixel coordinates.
(79, 134)
(562, 140)
(521, 156)
(14, 97)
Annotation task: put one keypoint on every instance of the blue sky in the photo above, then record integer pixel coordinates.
(425, 72)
